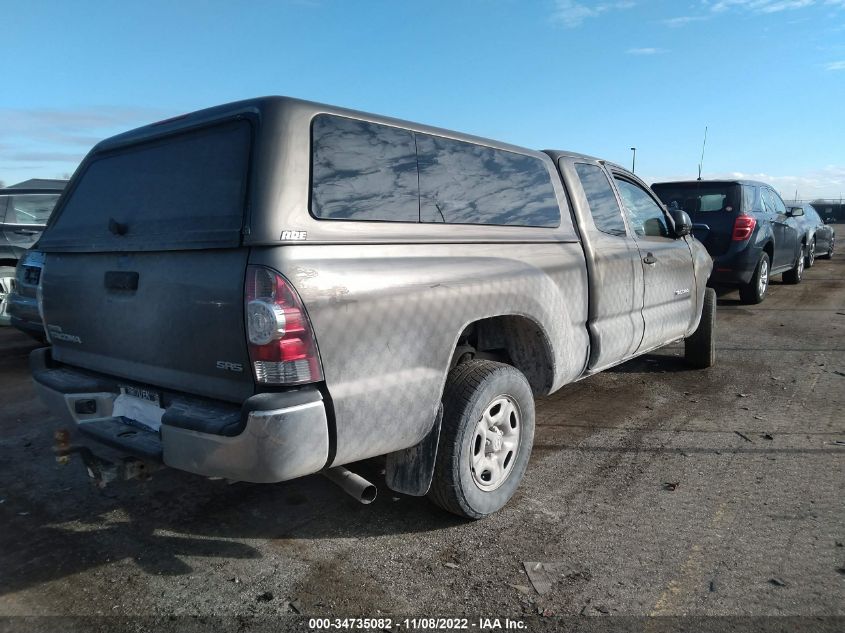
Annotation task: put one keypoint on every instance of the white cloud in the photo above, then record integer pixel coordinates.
(646, 51)
(827, 182)
(767, 6)
(572, 13)
(835, 66)
(43, 142)
(683, 20)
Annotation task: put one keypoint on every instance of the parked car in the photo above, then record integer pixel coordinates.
(24, 210)
(747, 229)
(816, 236)
(302, 286)
(22, 304)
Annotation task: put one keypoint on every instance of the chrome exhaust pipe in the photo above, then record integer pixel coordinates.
(352, 484)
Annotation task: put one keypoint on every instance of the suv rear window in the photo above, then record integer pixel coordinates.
(28, 208)
(183, 191)
(704, 197)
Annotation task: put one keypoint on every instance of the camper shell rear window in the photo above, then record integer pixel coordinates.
(183, 191)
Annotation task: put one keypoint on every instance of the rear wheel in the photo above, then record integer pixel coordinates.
(810, 255)
(700, 347)
(485, 439)
(7, 284)
(755, 290)
(794, 276)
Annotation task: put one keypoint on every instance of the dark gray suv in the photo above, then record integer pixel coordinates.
(24, 211)
(747, 229)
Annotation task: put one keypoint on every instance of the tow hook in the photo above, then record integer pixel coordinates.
(102, 471)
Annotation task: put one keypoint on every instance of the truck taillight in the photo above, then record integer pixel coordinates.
(743, 228)
(282, 348)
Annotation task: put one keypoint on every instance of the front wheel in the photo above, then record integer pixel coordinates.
(485, 438)
(794, 276)
(700, 346)
(810, 256)
(829, 253)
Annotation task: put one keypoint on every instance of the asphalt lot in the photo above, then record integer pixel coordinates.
(755, 524)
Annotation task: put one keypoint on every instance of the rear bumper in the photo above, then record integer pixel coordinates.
(735, 268)
(281, 436)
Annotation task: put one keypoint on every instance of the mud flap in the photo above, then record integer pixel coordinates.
(410, 471)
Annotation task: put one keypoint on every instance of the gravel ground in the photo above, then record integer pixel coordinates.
(652, 490)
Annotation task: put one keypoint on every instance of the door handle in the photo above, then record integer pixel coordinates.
(25, 232)
(650, 259)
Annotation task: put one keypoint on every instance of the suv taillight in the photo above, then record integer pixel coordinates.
(282, 348)
(743, 227)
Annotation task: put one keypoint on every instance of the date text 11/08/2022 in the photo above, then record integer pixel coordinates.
(486, 624)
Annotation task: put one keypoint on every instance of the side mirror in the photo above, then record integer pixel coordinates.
(795, 212)
(683, 223)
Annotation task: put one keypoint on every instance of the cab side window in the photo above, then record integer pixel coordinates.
(645, 215)
(602, 201)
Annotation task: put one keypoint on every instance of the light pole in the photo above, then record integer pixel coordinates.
(634, 161)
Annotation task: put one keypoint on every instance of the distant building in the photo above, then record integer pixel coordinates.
(40, 183)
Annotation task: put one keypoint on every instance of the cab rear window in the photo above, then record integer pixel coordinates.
(182, 191)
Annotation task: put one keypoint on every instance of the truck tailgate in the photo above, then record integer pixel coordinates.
(172, 319)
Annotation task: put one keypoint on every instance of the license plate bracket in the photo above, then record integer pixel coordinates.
(147, 395)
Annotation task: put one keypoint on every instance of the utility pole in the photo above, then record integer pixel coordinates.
(634, 161)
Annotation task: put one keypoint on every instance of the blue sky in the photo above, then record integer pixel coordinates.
(766, 76)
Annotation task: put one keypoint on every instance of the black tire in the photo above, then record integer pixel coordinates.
(7, 279)
(755, 291)
(795, 275)
(471, 388)
(810, 254)
(700, 346)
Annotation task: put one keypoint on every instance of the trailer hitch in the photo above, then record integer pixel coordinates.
(101, 470)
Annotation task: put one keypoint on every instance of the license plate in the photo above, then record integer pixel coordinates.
(142, 394)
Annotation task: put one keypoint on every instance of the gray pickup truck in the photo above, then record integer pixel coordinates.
(273, 288)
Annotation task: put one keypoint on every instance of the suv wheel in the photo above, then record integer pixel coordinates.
(700, 346)
(7, 285)
(755, 290)
(794, 276)
(810, 257)
(485, 439)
